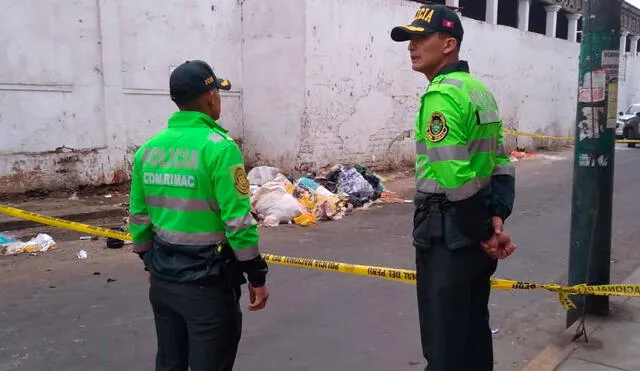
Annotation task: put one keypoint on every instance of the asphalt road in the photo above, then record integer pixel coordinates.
(57, 312)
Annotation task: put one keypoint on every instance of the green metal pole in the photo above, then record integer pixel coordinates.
(590, 251)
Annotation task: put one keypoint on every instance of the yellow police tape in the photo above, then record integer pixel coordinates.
(64, 224)
(392, 274)
(531, 135)
(409, 276)
(540, 136)
(549, 137)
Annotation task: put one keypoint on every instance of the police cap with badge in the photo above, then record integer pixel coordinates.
(429, 19)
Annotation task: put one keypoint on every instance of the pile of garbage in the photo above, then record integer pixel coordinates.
(9, 245)
(304, 200)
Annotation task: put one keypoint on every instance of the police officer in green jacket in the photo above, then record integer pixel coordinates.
(464, 192)
(192, 226)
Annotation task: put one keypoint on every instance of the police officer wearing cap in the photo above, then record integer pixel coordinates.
(192, 226)
(465, 188)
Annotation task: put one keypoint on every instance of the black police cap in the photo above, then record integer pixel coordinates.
(429, 19)
(193, 78)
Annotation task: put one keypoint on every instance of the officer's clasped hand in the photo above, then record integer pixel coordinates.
(499, 246)
(258, 297)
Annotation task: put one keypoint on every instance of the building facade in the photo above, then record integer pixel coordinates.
(315, 82)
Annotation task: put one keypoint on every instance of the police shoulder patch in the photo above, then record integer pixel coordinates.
(437, 129)
(240, 181)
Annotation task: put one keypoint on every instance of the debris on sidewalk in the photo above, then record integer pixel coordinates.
(518, 155)
(9, 245)
(5, 238)
(82, 255)
(114, 243)
(387, 198)
(305, 199)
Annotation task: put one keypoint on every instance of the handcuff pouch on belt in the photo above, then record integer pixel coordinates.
(222, 264)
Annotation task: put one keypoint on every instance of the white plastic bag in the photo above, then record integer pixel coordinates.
(41, 243)
(260, 175)
(273, 201)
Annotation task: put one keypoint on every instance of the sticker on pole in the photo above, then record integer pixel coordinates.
(591, 95)
(593, 87)
(611, 62)
(595, 79)
(612, 104)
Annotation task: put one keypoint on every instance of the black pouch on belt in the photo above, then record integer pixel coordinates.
(427, 220)
(467, 222)
(230, 271)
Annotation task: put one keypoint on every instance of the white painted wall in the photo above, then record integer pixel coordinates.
(361, 91)
(533, 77)
(273, 67)
(92, 76)
(629, 90)
(315, 82)
(50, 93)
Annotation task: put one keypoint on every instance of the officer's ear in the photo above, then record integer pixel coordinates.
(216, 104)
(451, 44)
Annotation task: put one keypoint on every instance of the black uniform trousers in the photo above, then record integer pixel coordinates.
(198, 327)
(453, 288)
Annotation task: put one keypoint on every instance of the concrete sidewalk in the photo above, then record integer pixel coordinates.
(613, 341)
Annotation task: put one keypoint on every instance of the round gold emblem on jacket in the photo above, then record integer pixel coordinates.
(437, 129)
(240, 180)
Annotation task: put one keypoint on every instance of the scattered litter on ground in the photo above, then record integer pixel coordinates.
(5, 238)
(387, 198)
(495, 331)
(553, 158)
(9, 245)
(114, 243)
(74, 196)
(109, 280)
(518, 155)
(82, 255)
(306, 199)
(108, 196)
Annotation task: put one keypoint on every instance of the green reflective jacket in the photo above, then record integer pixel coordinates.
(459, 143)
(189, 189)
